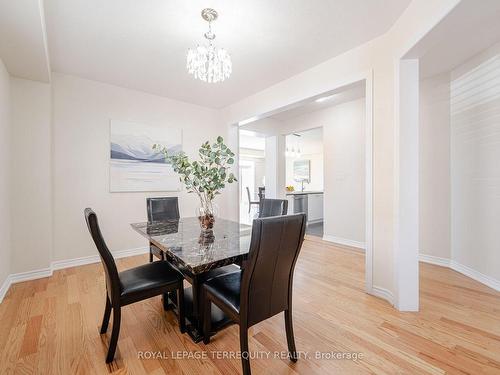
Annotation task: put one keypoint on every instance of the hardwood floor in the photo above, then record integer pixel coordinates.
(51, 326)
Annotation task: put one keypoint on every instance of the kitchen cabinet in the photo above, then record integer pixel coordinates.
(314, 207)
(308, 202)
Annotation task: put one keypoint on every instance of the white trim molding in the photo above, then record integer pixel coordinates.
(268, 109)
(344, 241)
(464, 270)
(22, 276)
(30, 275)
(476, 275)
(438, 261)
(61, 264)
(383, 293)
(368, 245)
(4, 288)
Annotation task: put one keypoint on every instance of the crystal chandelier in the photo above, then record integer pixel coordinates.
(208, 63)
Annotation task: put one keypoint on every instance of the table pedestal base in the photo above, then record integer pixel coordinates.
(193, 326)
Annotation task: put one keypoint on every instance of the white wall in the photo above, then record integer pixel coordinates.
(316, 160)
(344, 196)
(339, 168)
(31, 177)
(475, 167)
(260, 173)
(82, 110)
(344, 168)
(459, 170)
(5, 164)
(379, 59)
(434, 178)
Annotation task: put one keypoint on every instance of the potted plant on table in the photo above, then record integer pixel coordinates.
(205, 177)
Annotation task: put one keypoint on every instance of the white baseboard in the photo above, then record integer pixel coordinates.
(22, 276)
(476, 275)
(315, 221)
(61, 264)
(467, 271)
(438, 261)
(382, 293)
(4, 288)
(30, 275)
(344, 241)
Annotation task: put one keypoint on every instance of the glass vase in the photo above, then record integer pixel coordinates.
(207, 212)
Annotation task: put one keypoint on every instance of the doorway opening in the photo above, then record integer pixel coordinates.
(304, 174)
(317, 154)
(252, 155)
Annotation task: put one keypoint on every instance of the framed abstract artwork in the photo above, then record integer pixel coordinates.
(133, 165)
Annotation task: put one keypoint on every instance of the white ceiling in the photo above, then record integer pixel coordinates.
(309, 142)
(278, 121)
(142, 44)
(471, 27)
(335, 97)
(23, 47)
(252, 140)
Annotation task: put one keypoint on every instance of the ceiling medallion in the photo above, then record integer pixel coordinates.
(208, 63)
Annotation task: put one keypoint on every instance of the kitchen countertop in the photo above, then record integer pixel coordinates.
(303, 192)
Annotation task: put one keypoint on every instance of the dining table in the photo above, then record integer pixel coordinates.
(198, 255)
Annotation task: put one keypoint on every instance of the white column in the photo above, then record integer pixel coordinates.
(406, 188)
(231, 193)
(275, 164)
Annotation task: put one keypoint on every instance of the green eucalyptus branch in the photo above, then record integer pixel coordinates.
(205, 177)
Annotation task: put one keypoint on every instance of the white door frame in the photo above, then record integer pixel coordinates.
(367, 77)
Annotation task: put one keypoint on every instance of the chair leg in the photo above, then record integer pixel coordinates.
(245, 355)
(150, 255)
(207, 319)
(114, 334)
(289, 335)
(164, 299)
(180, 309)
(107, 313)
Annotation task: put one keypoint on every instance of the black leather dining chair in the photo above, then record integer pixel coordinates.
(264, 287)
(161, 209)
(273, 207)
(133, 285)
(262, 192)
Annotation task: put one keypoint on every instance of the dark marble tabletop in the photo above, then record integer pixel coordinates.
(184, 242)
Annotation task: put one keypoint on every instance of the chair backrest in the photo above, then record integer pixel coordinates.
(262, 192)
(248, 195)
(273, 207)
(162, 208)
(266, 287)
(113, 286)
